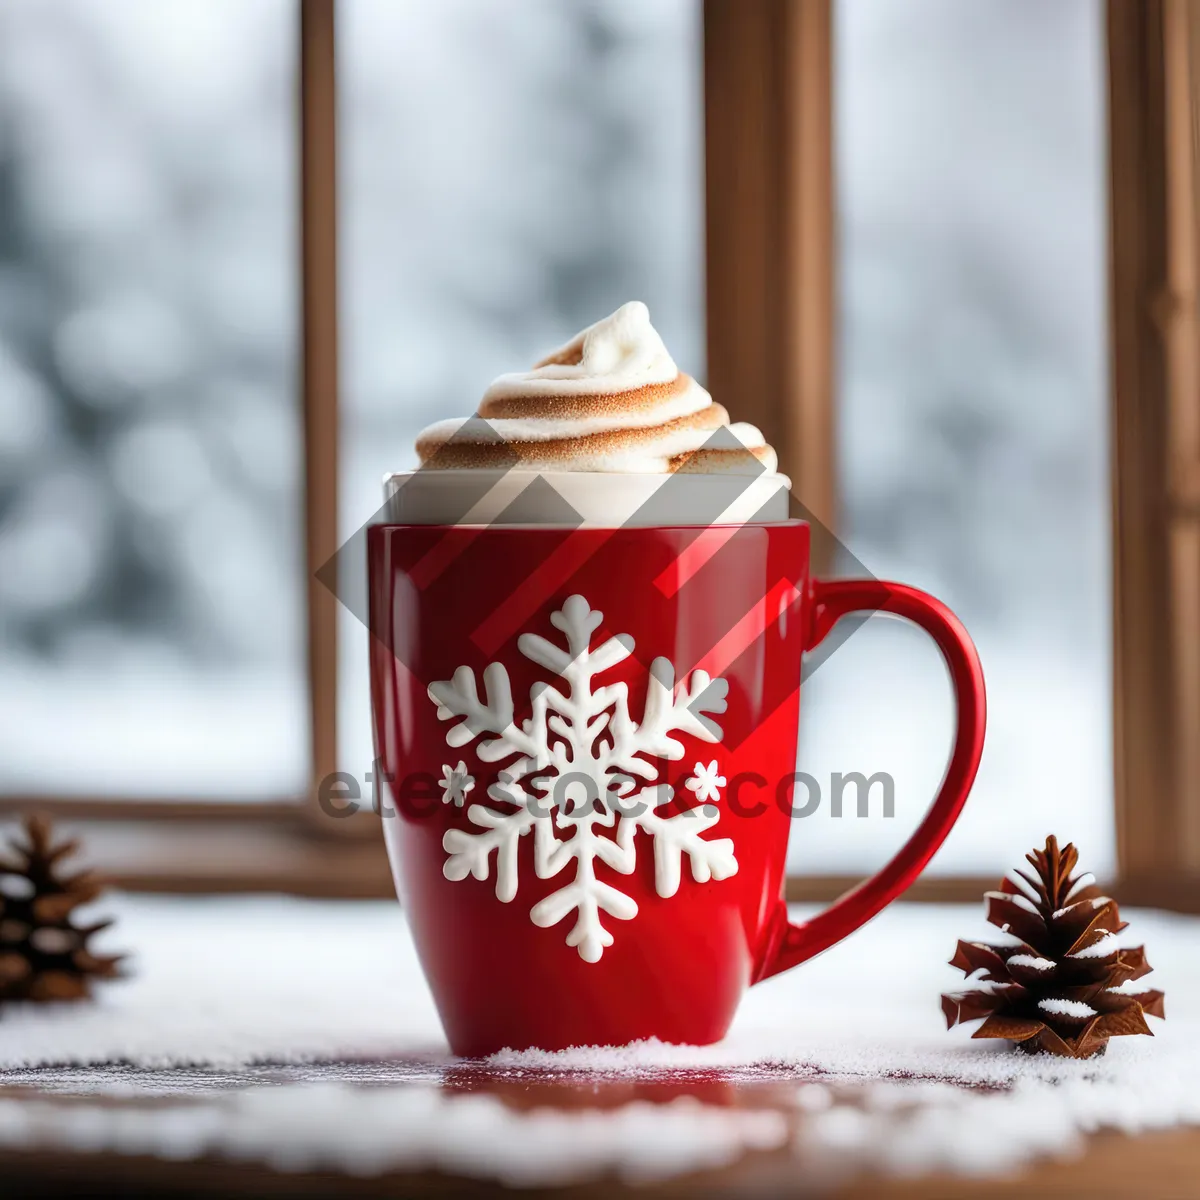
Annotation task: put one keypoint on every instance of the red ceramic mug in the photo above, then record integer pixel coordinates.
(590, 737)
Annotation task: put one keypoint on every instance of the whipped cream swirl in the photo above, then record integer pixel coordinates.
(610, 400)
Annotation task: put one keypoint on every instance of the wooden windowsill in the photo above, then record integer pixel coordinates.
(1174, 891)
(235, 849)
(196, 848)
(196, 853)
(247, 848)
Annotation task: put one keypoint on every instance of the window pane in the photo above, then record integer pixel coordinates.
(150, 522)
(970, 151)
(507, 182)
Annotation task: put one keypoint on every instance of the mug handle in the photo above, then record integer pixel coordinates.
(788, 945)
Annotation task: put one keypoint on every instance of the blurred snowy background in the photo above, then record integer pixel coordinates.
(513, 169)
(150, 521)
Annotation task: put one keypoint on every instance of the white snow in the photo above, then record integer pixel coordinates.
(1095, 902)
(224, 984)
(366, 1131)
(1087, 879)
(1099, 949)
(1032, 961)
(1067, 1008)
(153, 729)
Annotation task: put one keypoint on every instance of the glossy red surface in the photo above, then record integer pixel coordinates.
(737, 602)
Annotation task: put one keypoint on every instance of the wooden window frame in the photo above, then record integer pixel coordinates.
(286, 844)
(771, 319)
(1154, 88)
(771, 308)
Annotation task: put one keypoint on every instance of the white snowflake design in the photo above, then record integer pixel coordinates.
(455, 784)
(575, 770)
(705, 781)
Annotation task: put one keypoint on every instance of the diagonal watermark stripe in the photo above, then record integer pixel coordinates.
(708, 554)
(772, 607)
(666, 506)
(673, 503)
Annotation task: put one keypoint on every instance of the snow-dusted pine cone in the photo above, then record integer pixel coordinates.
(1060, 987)
(44, 953)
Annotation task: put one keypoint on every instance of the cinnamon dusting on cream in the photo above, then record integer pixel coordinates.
(610, 400)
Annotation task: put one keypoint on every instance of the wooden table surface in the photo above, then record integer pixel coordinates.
(1161, 1164)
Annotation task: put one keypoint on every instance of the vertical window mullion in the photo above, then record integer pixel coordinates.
(770, 229)
(319, 360)
(1155, 459)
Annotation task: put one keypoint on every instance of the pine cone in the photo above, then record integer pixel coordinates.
(44, 955)
(1054, 989)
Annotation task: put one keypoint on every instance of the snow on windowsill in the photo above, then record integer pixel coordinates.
(855, 1039)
